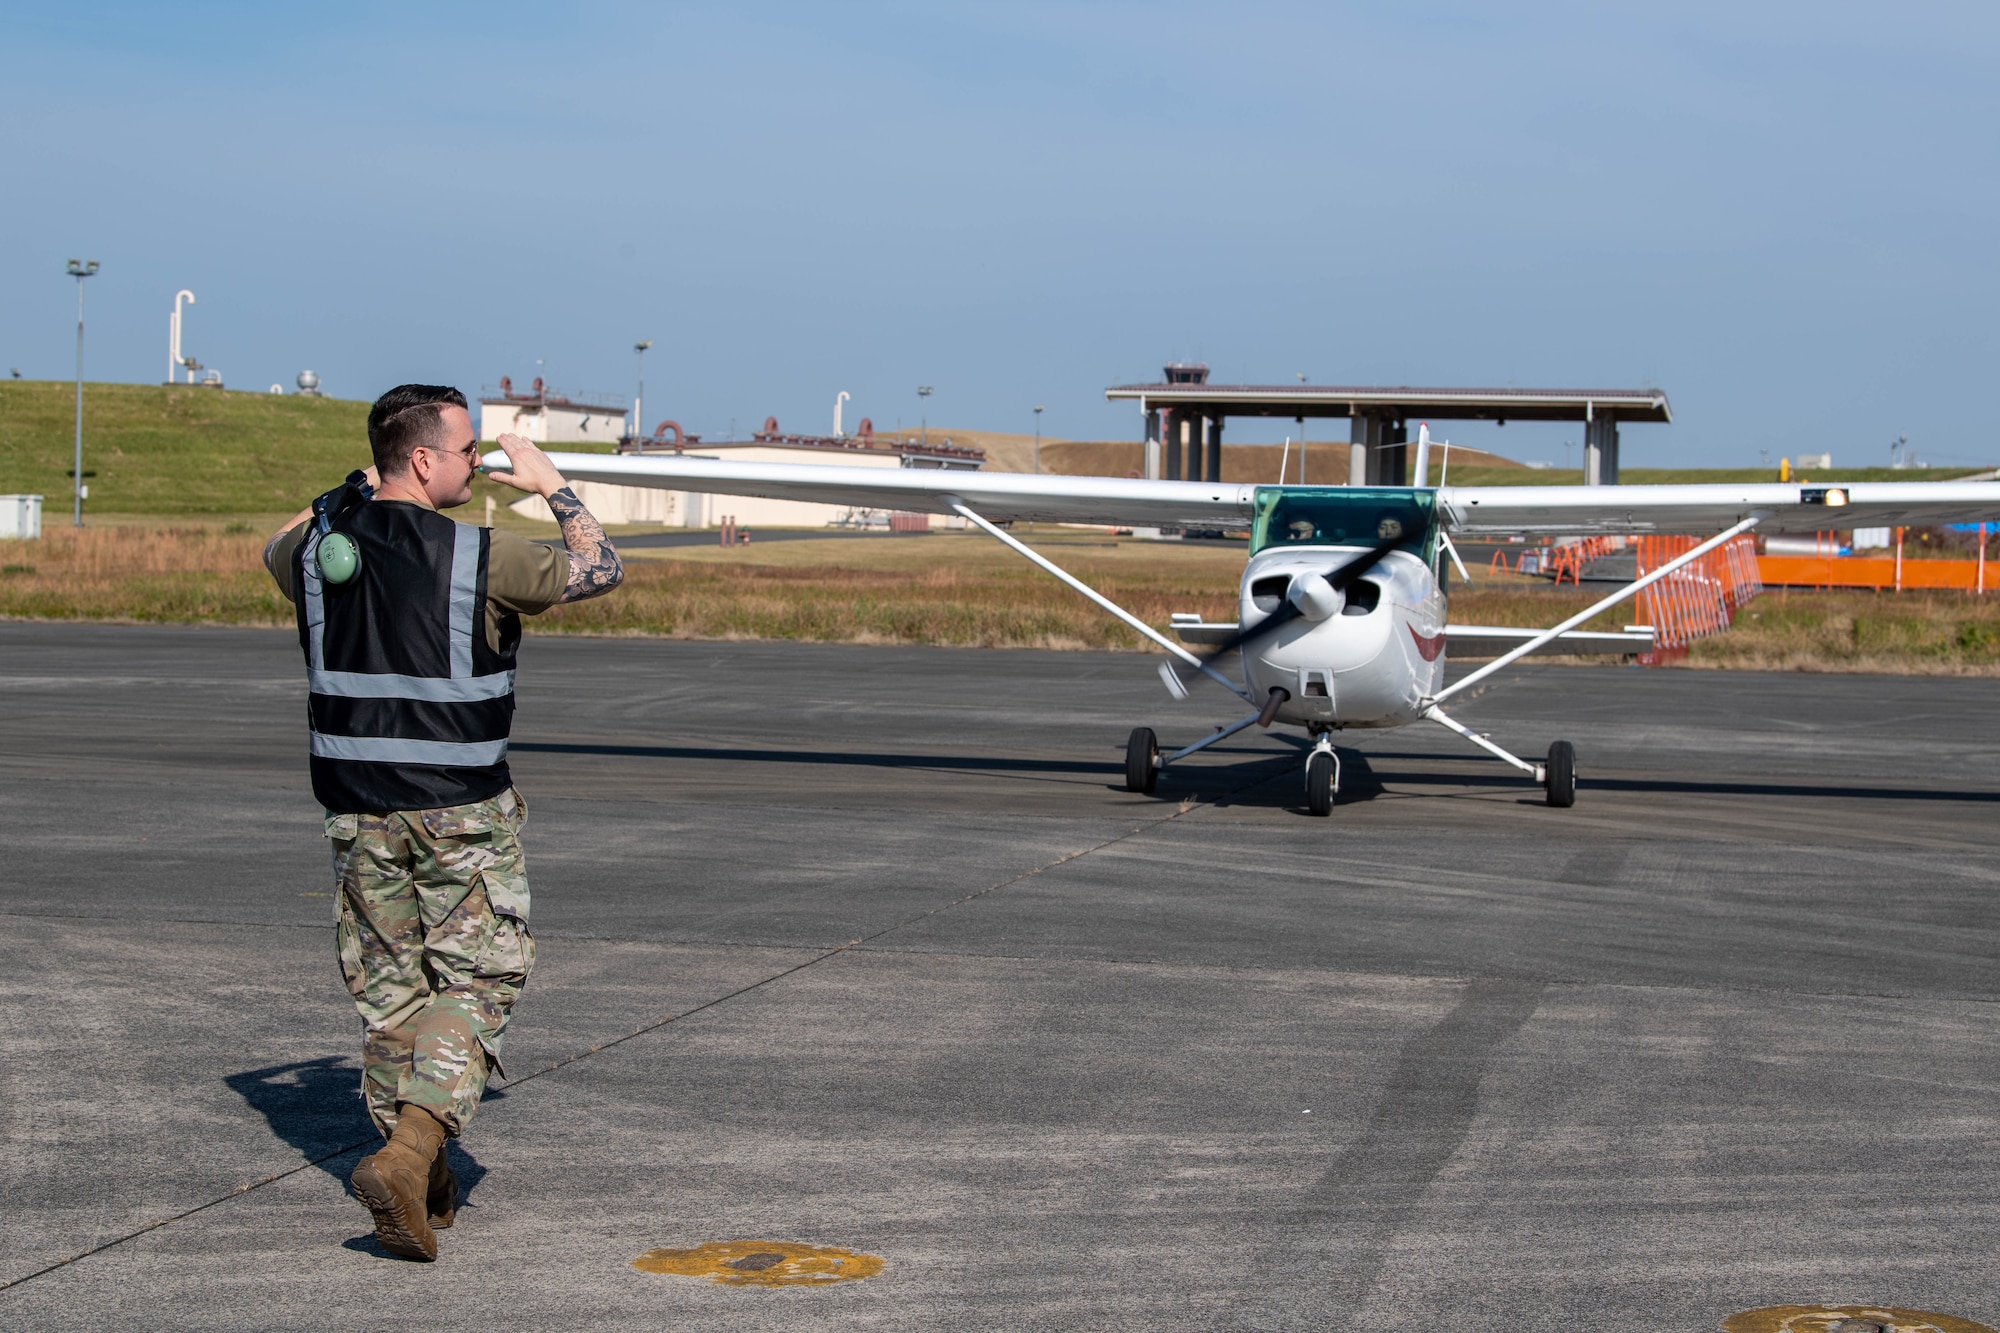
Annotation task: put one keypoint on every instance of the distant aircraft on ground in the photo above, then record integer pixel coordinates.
(1341, 620)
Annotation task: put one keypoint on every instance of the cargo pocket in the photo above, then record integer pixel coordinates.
(347, 935)
(510, 953)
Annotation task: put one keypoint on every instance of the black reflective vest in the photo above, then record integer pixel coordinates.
(409, 705)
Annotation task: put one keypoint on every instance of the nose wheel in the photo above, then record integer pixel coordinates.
(1322, 777)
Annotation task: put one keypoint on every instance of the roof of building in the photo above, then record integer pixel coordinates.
(1401, 401)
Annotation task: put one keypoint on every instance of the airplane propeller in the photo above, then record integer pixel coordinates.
(1336, 580)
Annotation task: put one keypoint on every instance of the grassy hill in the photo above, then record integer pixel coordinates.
(181, 449)
(156, 449)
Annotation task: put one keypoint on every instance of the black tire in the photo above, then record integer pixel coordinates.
(1560, 784)
(1319, 783)
(1142, 760)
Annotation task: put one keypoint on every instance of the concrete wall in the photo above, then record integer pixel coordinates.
(550, 423)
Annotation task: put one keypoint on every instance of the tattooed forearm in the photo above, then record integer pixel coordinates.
(594, 567)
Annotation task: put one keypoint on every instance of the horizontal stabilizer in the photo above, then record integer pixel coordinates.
(1465, 640)
(1468, 640)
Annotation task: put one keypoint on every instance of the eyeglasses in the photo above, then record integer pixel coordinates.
(470, 453)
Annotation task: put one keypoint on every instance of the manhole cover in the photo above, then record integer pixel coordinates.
(1847, 1319)
(781, 1263)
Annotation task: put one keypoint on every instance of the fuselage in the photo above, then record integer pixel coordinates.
(1368, 654)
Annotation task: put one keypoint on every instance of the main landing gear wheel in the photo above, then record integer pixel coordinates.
(1559, 779)
(1142, 760)
(1319, 783)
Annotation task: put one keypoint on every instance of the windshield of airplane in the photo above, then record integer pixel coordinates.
(1345, 516)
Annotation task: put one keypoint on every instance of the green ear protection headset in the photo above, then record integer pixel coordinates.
(339, 558)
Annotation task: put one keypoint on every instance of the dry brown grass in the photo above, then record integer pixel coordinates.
(187, 573)
(952, 589)
(1924, 633)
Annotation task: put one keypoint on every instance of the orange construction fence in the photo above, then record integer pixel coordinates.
(1697, 600)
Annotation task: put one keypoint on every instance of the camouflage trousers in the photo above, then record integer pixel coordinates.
(432, 923)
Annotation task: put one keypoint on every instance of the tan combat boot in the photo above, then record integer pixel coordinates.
(442, 1200)
(394, 1181)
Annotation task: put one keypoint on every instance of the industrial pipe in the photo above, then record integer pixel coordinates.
(174, 337)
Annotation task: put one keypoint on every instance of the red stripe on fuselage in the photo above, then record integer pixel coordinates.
(1428, 649)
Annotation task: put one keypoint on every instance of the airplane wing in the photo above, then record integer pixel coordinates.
(1468, 510)
(1698, 510)
(999, 496)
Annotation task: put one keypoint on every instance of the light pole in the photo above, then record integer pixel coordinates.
(1302, 444)
(79, 270)
(924, 417)
(1038, 439)
(638, 426)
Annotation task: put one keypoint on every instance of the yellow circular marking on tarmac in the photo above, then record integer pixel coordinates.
(769, 1263)
(1847, 1319)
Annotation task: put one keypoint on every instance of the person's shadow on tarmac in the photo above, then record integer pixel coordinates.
(315, 1105)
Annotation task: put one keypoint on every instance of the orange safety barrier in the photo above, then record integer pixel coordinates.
(1851, 571)
(1829, 569)
(1698, 600)
(1567, 560)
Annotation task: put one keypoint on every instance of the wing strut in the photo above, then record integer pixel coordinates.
(958, 507)
(1631, 589)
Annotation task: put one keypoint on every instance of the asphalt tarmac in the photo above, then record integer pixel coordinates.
(868, 948)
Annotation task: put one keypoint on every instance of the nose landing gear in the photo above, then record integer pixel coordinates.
(1322, 776)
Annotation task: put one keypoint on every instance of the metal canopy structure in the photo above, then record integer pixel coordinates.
(1184, 416)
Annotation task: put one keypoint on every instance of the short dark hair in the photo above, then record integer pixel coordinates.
(403, 418)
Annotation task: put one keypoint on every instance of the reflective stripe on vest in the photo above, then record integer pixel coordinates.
(461, 687)
(391, 750)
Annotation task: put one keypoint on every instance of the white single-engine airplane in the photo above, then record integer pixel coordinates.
(1341, 618)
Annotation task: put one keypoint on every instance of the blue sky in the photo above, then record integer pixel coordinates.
(1782, 214)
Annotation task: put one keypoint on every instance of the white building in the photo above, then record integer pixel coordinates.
(548, 418)
(696, 509)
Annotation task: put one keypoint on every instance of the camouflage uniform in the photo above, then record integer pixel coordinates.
(432, 922)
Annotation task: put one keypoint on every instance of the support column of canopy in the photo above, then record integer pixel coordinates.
(1175, 441)
(1212, 450)
(1155, 464)
(1600, 447)
(1380, 448)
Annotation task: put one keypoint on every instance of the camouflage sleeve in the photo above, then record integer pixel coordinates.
(278, 559)
(594, 566)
